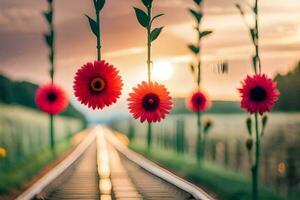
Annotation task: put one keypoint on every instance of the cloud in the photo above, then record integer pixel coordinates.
(125, 52)
(21, 20)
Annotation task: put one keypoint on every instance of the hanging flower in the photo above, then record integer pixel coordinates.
(198, 102)
(258, 93)
(150, 101)
(97, 85)
(51, 99)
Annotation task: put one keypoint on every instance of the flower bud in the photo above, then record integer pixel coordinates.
(249, 125)
(208, 125)
(2, 152)
(249, 144)
(264, 122)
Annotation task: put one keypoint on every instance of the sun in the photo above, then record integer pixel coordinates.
(162, 71)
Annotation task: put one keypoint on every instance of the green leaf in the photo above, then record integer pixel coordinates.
(194, 49)
(49, 39)
(157, 16)
(93, 25)
(198, 2)
(155, 33)
(197, 15)
(253, 34)
(249, 144)
(99, 4)
(205, 33)
(48, 16)
(147, 3)
(238, 6)
(142, 17)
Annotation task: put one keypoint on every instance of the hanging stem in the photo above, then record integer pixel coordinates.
(52, 58)
(149, 62)
(199, 46)
(98, 36)
(199, 120)
(257, 50)
(256, 40)
(52, 54)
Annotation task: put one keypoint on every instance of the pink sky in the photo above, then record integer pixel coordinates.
(23, 54)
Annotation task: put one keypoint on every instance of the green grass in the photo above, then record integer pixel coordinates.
(24, 133)
(226, 184)
(18, 175)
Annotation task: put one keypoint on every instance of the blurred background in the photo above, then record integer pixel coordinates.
(24, 66)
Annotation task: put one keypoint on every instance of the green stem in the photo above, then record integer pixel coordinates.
(255, 167)
(199, 46)
(52, 67)
(149, 133)
(149, 46)
(257, 50)
(52, 137)
(149, 136)
(52, 50)
(98, 36)
(199, 137)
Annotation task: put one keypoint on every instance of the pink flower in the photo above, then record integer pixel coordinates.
(51, 99)
(198, 102)
(258, 93)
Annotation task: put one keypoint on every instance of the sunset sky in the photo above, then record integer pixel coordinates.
(23, 54)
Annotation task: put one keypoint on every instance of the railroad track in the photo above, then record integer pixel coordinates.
(101, 167)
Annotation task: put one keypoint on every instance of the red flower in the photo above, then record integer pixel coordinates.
(150, 101)
(51, 99)
(198, 102)
(97, 85)
(258, 94)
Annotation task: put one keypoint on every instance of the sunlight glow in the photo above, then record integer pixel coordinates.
(162, 71)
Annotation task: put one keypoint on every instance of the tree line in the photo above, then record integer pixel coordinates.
(23, 93)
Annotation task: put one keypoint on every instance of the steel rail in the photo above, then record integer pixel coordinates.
(154, 169)
(44, 181)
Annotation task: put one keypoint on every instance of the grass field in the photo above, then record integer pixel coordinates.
(221, 182)
(25, 138)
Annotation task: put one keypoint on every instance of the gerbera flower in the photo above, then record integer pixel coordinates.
(51, 99)
(258, 93)
(150, 101)
(97, 85)
(198, 102)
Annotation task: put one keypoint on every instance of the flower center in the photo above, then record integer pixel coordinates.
(258, 94)
(98, 84)
(150, 102)
(51, 96)
(199, 100)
